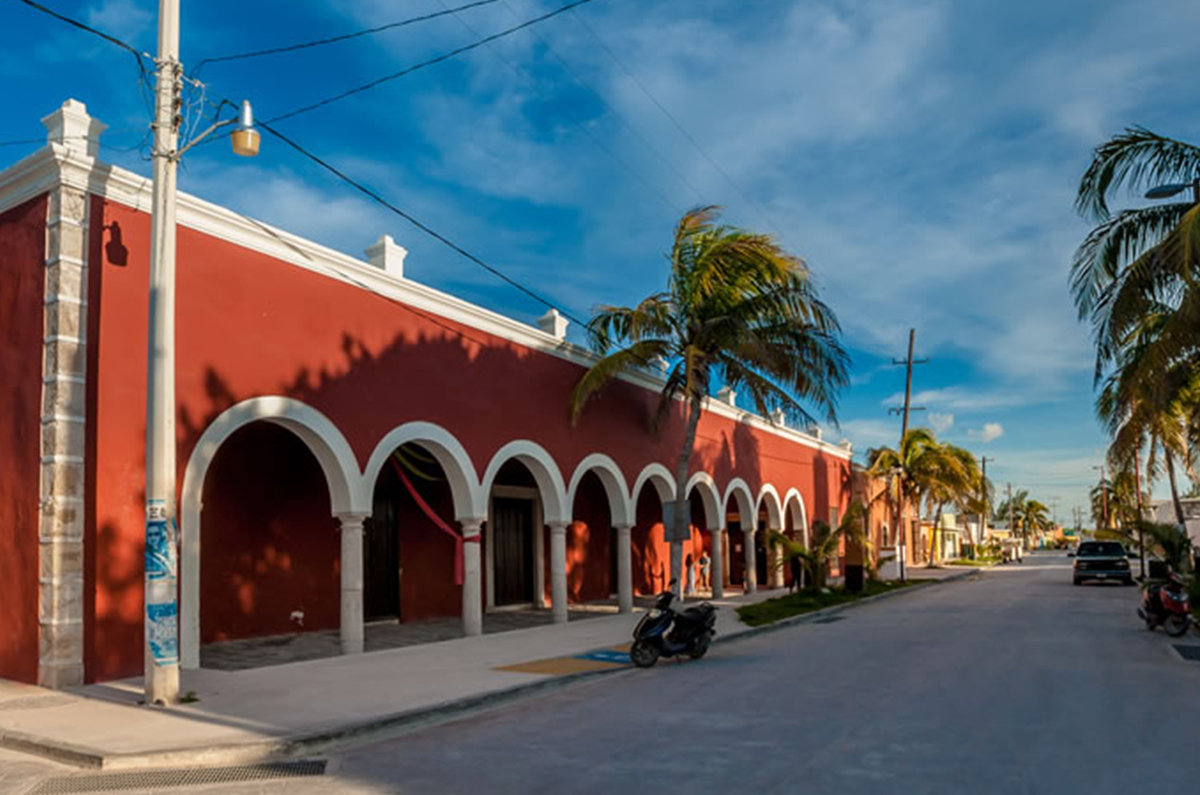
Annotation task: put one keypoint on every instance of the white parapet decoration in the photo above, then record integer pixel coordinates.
(554, 324)
(388, 256)
(71, 127)
(727, 395)
(779, 418)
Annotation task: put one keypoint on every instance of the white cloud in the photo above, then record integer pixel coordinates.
(990, 432)
(124, 19)
(941, 422)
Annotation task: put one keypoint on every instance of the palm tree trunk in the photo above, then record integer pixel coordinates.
(1174, 488)
(680, 529)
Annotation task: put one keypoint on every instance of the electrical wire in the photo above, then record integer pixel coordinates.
(76, 23)
(418, 224)
(436, 60)
(344, 37)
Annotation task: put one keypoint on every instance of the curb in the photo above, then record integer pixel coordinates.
(348, 734)
(808, 618)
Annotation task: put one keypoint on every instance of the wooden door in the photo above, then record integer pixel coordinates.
(381, 559)
(511, 533)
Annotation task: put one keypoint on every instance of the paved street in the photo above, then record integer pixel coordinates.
(1016, 682)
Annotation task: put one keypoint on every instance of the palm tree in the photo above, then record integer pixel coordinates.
(1142, 406)
(903, 468)
(826, 543)
(1035, 518)
(737, 308)
(1139, 259)
(952, 476)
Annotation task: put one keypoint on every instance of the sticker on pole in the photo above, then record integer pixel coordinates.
(160, 558)
(162, 624)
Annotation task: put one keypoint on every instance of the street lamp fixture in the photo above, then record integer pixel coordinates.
(1174, 188)
(245, 137)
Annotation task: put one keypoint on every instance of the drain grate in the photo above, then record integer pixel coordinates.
(1188, 652)
(829, 620)
(156, 780)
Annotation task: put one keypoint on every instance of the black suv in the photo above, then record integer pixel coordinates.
(1102, 560)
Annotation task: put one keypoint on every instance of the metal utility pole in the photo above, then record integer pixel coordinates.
(161, 608)
(901, 525)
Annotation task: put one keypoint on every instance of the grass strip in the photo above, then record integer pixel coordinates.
(976, 562)
(781, 607)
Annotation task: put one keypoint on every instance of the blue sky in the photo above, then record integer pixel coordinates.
(922, 156)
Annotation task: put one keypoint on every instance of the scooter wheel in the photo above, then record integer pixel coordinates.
(643, 655)
(1176, 625)
(699, 646)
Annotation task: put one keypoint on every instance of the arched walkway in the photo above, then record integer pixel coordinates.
(321, 437)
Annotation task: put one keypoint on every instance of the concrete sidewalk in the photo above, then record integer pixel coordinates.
(310, 707)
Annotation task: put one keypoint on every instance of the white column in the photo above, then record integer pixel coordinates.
(624, 570)
(472, 591)
(352, 582)
(750, 567)
(716, 572)
(558, 571)
(775, 575)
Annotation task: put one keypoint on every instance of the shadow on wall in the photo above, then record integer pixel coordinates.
(269, 546)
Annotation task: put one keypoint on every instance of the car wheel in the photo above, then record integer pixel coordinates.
(1078, 581)
(1127, 581)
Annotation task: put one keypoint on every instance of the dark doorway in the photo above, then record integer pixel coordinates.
(512, 539)
(737, 555)
(612, 560)
(381, 555)
(760, 553)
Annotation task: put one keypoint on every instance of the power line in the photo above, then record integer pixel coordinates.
(76, 23)
(356, 185)
(435, 60)
(344, 37)
(418, 224)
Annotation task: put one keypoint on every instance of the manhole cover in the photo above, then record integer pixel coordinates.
(1188, 652)
(156, 780)
(830, 620)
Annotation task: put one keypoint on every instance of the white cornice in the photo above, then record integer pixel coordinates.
(55, 164)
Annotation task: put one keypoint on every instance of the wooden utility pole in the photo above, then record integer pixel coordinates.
(987, 506)
(1012, 527)
(1137, 484)
(903, 530)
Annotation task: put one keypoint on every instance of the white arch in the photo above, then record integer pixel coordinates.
(738, 489)
(769, 497)
(555, 508)
(793, 503)
(318, 433)
(660, 477)
(710, 495)
(614, 484)
(450, 454)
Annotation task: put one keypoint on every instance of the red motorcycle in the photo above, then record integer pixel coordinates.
(1166, 605)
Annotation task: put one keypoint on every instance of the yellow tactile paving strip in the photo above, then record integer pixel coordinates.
(561, 666)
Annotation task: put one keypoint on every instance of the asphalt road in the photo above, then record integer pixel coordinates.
(1017, 682)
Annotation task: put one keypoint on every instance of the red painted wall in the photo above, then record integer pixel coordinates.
(22, 287)
(249, 325)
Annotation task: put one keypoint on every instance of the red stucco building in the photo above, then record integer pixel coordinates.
(300, 372)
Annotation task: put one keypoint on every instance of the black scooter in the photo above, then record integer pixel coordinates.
(665, 632)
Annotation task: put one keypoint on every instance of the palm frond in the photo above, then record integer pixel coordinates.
(1138, 159)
